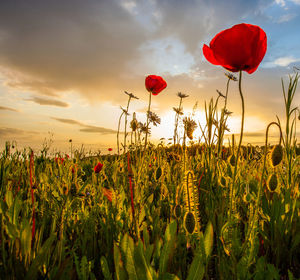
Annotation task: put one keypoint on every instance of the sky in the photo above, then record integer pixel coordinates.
(65, 64)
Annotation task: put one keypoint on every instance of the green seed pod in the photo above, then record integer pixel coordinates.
(189, 222)
(232, 160)
(158, 173)
(276, 155)
(272, 182)
(177, 211)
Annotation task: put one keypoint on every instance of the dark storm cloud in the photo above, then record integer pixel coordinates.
(8, 109)
(50, 102)
(87, 128)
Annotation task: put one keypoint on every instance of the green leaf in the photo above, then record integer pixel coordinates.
(127, 247)
(169, 276)
(168, 248)
(105, 269)
(40, 259)
(141, 265)
(197, 269)
(208, 239)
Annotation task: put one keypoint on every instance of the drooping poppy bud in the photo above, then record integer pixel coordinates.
(276, 155)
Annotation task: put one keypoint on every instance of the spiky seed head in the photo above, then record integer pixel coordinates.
(232, 160)
(189, 126)
(182, 95)
(177, 211)
(231, 76)
(276, 155)
(134, 124)
(272, 182)
(189, 222)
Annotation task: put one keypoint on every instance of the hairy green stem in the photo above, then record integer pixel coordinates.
(149, 105)
(240, 143)
(125, 134)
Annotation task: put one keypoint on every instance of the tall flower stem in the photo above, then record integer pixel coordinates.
(240, 143)
(176, 122)
(125, 134)
(149, 105)
(118, 133)
(222, 123)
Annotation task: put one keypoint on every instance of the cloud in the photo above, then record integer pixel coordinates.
(280, 2)
(281, 61)
(69, 45)
(8, 109)
(11, 132)
(87, 128)
(92, 47)
(286, 18)
(50, 102)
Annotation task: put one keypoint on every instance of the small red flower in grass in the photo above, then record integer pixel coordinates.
(109, 149)
(239, 48)
(155, 84)
(108, 194)
(98, 167)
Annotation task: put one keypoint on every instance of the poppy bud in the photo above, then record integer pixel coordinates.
(272, 182)
(189, 222)
(276, 155)
(177, 211)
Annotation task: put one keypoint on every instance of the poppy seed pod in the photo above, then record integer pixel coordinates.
(189, 222)
(276, 155)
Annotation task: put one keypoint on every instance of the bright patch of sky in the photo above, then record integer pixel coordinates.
(167, 56)
(283, 47)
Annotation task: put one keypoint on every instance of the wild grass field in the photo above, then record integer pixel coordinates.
(171, 211)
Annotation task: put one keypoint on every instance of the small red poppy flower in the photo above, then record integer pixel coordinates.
(109, 149)
(67, 156)
(98, 167)
(108, 194)
(241, 47)
(155, 84)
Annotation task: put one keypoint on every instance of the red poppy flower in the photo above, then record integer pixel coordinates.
(109, 149)
(98, 167)
(241, 47)
(108, 194)
(155, 84)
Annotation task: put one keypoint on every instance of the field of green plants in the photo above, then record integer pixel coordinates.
(178, 210)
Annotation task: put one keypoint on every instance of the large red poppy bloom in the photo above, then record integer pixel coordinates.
(155, 84)
(241, 47)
